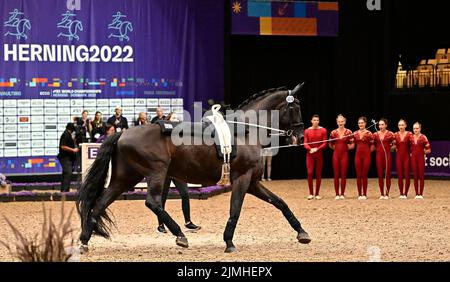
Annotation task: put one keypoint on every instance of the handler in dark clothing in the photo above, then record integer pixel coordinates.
(184, 195)
(118, 120)
(67, 155)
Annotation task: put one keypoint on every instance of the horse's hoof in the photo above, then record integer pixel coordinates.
(231, 249)
(84, 249)
(182, 242)
(303, 238)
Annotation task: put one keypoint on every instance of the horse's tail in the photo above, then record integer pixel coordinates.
(93, 187)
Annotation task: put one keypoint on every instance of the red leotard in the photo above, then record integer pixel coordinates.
(418, 161)
(340, 158)
(383, 150)
(315, 135)
(362, 160)
(402, 160)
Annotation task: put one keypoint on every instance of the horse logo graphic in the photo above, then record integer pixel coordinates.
(21, 26)
(70, 25)
(121, 27)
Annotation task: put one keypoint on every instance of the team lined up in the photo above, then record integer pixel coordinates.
(409, 147)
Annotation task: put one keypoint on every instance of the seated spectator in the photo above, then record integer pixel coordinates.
(109, 130)
(142, 119)
(98, 127)
(118, 120)
(159, 115)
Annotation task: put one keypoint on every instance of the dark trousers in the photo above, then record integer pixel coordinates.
(183, 190)
(67, 166)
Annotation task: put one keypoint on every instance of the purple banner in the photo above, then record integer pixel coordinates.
(438, 162)
(59, 57)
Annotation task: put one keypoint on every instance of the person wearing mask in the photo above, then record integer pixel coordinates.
(98, 127)
(159, 115)
(118, 120)
(67, 155)
(142, 119)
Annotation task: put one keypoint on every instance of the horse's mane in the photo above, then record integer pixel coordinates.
(261, 94)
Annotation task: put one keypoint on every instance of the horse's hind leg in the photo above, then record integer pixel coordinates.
(122, 179)
(261, 192)
(155, 183)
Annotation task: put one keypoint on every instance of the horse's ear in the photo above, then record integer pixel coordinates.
(297, 89)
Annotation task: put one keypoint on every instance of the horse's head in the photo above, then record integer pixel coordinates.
(287, 104)
(291, 115)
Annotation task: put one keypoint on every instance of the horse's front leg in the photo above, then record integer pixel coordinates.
(261, 192)
(240, 187)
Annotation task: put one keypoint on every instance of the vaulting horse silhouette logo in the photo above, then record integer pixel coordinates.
(121, 27)
(71, 26)
(21, 25)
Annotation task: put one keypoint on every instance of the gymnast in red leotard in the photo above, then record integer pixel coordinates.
(384, 141)
(420, 146)
(343, 143)
(364, 143)
(402, 158)
(315, 141)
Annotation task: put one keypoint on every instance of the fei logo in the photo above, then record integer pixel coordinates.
(120, 28)
(18, 25)
(373, 5)
(70, 25)
(73, 5)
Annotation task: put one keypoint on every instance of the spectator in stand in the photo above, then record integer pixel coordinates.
(109, 130)
(142, 119)
(118, 120)
(98, 127)
(159, 115)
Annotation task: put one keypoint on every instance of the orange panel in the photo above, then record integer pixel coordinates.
(6, 84)
(328, 6)
(265, 26)
(294, 26)
(40, 80)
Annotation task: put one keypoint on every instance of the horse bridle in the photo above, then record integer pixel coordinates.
(290, 101)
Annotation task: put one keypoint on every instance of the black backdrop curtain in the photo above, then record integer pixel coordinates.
(353, 74)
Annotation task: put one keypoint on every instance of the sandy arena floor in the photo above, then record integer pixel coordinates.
(348, 230)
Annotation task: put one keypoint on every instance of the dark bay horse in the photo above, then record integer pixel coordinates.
(145, 152)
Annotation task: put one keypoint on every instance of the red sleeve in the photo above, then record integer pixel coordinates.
(323, 145)
(391, 138)
(306, 140)
(426, 143)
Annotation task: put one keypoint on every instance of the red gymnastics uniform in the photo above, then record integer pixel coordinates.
(340, 158)
(383, 150)
(418, 161)
(362, 160)
(403, 162)
(315, 135)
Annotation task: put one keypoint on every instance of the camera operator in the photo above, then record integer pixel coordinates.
(67, 155)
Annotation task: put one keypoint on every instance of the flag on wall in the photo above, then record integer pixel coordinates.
(294, 18)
